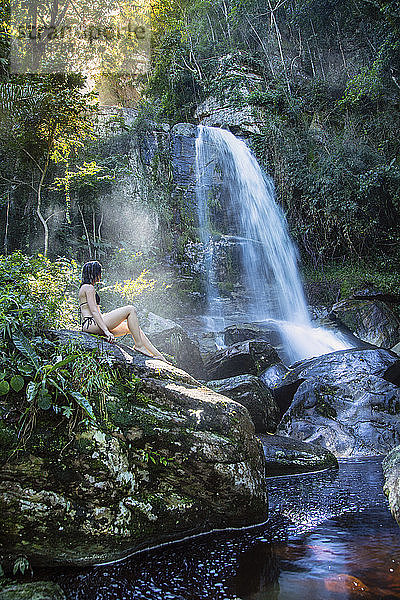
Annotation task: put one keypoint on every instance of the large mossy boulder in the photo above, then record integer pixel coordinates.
(391, 471)
(175, 459)
(285, 455)
(371, 320)
(244, 358)
(37, 590)
(249, 391)
(343, 402)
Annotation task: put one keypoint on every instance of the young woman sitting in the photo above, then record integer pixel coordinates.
(121, 321)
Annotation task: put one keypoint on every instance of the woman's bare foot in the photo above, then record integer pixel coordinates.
(143, 350)
(157, 356)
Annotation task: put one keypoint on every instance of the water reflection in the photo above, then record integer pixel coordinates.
(330, 537)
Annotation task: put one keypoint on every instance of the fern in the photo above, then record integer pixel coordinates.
(14, 97)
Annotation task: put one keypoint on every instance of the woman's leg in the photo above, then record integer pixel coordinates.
(114, 321)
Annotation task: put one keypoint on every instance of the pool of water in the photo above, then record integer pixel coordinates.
(330, 536)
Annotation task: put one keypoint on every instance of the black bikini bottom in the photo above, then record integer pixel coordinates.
(88, 321)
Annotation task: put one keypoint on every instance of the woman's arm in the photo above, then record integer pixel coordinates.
(94, 309)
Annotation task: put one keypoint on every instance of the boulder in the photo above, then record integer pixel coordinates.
(251, 331)
(173, 459)
(38, 590)
(355, 416)
(370, 320)
(245, 358)
(249, 391)
(391, 472)
(345, 401)
(285, 455)
(337, 366)
(396, 349)
(171, 338)
(273, 376)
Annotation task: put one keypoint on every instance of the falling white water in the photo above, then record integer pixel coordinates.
(268, 258)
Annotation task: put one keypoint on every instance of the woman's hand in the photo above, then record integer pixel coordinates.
(110, 337)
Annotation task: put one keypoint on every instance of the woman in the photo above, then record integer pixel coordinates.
(120, 321)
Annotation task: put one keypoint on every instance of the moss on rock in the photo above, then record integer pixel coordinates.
(172, 458)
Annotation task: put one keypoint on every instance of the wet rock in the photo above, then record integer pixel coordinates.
(392, 373)
(250, 331)
(343, 402)
(273, 376)
(370, 320)
(396, 349)
(250, 357)
(171, 338)
(342, 365)
(182, 149)
(285, 455)
(249, 391)
(350, 586)
(391, 471)
(373, 293)
(38, 590)
(176, 459)
(357, 415)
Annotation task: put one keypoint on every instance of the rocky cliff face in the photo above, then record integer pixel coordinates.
(175, 459)
(159, 175)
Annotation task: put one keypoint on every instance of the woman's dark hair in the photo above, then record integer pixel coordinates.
(91, 272)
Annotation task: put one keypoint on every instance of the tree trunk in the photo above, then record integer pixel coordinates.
(7, 222)
(86, 231)
(39, 211)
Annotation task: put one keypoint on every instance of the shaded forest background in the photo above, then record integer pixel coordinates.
(327, 95)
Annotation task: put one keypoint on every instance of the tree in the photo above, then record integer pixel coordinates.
(49, 120)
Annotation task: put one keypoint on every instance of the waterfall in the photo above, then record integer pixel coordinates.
(229, 178)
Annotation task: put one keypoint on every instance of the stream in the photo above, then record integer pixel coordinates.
(329, 536)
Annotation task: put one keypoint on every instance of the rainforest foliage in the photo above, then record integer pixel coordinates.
(329, 98)
(39, 376)
(323, 80)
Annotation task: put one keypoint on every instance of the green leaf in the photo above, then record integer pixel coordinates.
(2, 376)
(25, 369)
(31, 391)
(44, 400)
(4, 387)
(62, 363)
(84, 403)
(67, 411)
(25, 347)
(17, 383)
(21, 564)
